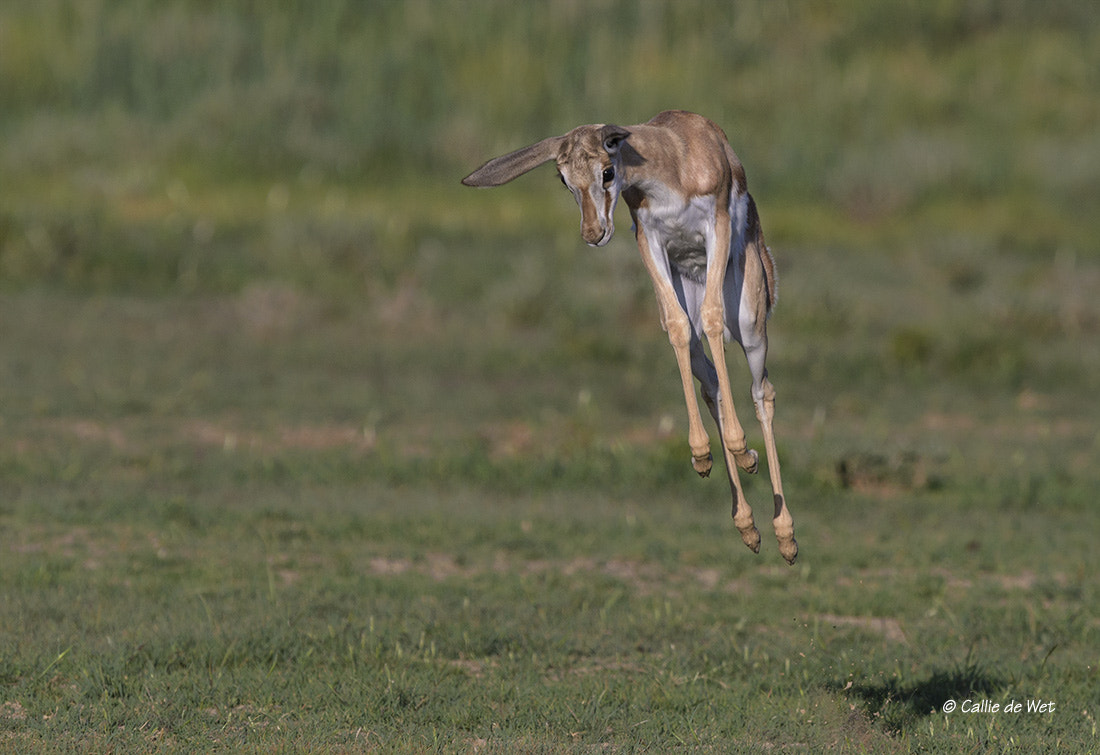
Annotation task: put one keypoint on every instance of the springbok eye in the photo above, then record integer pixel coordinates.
(608, 175)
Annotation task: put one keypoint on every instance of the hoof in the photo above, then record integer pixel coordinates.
(749, 461)
(789, 550)
(702, 464)
(751, 538)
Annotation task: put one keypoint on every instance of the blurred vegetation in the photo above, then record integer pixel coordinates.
(193, 146)
(927, 173)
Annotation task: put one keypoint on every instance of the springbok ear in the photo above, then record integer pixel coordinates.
(501, 170)
(612, 138)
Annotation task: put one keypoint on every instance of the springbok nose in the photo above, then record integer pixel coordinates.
(596, 233)
(593, 236)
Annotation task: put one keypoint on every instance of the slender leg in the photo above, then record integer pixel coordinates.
(754, 338)
(782, 520)
(742, 512)
(713, 317)
(714, 326)
(676, 323)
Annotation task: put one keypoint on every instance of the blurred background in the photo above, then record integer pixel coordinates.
(252, 212)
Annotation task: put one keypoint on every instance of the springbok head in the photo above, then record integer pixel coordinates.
(589, 164)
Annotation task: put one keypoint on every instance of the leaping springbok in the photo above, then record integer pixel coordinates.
(700, 238)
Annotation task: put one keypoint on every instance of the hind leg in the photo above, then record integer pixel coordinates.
(763, 395)
(704, 371)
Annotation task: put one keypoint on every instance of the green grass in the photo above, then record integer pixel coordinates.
(305, 447)
(213, 537)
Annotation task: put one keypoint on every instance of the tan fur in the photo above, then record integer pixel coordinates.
(693, 216)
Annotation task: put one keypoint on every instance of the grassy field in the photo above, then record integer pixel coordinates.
(306, 448)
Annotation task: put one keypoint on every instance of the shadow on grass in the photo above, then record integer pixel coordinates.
(901, 705)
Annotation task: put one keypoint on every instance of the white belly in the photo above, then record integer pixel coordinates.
(681, 229)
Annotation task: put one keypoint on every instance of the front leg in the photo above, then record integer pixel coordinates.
(714, 325)
(676, 323)
(713, 317)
